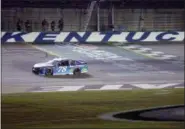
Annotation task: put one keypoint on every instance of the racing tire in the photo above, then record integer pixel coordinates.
(77, 72)
(49, 72)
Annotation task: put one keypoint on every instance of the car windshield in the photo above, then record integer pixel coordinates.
(52, 62)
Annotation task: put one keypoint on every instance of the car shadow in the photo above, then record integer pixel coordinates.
(85, 75)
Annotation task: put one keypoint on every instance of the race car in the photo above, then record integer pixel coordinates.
(60, 66)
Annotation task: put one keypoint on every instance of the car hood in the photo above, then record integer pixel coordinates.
(42, 65)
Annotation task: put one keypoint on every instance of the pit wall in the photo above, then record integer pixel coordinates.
(91, 37)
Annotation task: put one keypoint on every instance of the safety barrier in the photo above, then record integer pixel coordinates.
(91, 37)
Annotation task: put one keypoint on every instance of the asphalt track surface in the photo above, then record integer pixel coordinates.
(17, 62)
(172, 49)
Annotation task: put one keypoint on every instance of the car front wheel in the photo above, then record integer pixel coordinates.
(48, 72)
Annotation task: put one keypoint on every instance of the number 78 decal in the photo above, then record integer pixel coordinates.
(62, 69)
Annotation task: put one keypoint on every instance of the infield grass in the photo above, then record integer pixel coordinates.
(81, 109)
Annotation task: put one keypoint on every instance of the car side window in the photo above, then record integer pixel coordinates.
(64, 63)
(61, 63)
(72, 62)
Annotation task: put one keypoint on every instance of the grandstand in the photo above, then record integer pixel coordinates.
(84, 15)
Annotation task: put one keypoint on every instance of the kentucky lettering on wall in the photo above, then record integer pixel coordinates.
(89, 37)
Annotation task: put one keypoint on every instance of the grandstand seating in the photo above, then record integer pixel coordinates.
(160, 19)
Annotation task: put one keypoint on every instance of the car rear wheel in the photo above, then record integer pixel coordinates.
(77, 72)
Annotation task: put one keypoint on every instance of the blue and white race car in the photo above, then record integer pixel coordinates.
(60, 66)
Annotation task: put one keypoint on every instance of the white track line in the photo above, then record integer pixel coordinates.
(111, 87)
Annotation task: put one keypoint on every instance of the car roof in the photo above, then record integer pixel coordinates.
(56, 59)
(60, 59)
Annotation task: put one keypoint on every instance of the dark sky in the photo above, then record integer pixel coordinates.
(84, 3)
